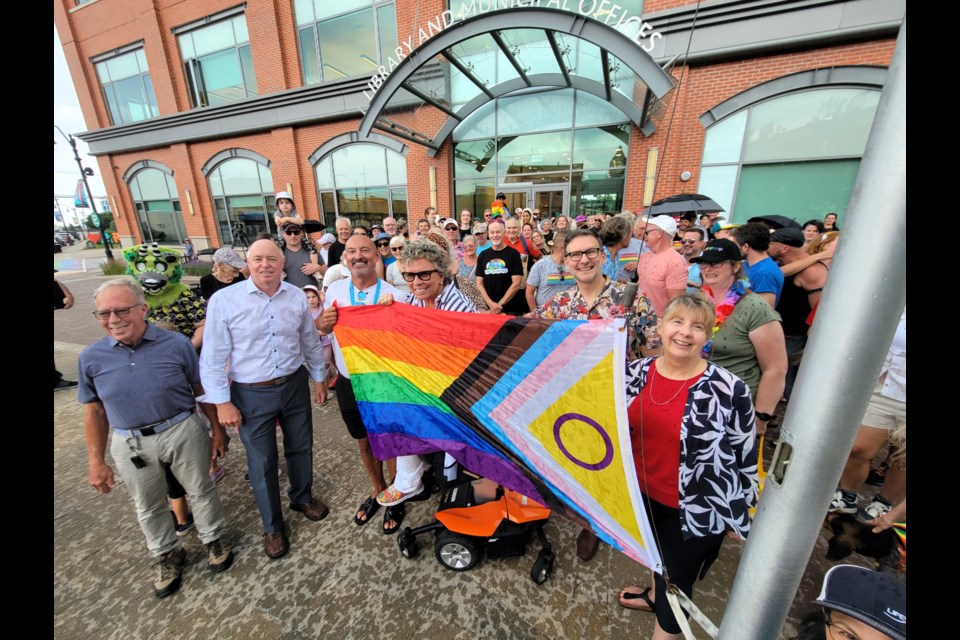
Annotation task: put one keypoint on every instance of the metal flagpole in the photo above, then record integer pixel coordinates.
(859, 311)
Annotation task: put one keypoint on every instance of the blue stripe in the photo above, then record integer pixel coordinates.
(556, 333)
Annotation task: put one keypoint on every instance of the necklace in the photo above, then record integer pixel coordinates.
(724, 310)
(683, 384)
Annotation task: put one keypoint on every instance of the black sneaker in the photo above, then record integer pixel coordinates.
(877, 476)
(64, 384)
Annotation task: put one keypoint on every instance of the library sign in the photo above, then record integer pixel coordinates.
(605, 11)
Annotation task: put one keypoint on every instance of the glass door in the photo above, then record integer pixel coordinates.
(550, 199)
(516, 198)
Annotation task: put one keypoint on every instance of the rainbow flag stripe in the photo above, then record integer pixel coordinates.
(529, 403)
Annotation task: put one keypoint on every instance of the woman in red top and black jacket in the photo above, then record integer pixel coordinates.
(694, 448)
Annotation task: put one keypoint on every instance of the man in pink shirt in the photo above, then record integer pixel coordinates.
(662, 271)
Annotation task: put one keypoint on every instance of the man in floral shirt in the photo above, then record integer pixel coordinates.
(596, 296)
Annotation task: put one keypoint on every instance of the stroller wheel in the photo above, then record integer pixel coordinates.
(456, 552)
(542, 567)
(409, 547)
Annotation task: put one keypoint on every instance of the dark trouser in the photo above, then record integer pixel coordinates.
(795, 347)
(685, 561)
(260, 408)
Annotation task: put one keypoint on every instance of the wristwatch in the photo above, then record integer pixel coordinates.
(766, 417)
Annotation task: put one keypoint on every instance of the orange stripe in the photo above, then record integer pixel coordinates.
(450, 361)
(442, 328)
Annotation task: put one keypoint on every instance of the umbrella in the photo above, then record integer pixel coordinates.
(313, 226)
(776, 222)
(681, 203)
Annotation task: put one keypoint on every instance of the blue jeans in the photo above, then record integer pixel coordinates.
(260, 408)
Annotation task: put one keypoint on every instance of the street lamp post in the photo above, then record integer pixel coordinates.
(84, 172)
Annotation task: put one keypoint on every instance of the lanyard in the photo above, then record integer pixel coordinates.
(363, 296)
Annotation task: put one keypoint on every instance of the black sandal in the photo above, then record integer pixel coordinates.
(631, 600)
(395, 513)
(368, 507)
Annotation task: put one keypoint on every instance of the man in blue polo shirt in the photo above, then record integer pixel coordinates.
(141, 382)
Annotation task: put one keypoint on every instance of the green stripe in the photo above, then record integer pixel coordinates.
(389, 388)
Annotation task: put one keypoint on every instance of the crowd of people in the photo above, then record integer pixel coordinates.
(716, 329)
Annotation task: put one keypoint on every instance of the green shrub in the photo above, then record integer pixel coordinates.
(197, 268)
(113, 267)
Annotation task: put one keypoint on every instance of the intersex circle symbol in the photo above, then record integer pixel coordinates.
(608, 445)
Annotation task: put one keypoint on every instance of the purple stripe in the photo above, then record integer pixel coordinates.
(390, 445)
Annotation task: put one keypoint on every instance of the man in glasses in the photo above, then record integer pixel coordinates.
(691, 246)
(499, 273)
(301, 265)
(451, 229)
(142, 382)
(363, 287)
(594, 296)
(480, 234)
(390, 226)
(662, 272)
(382, 242)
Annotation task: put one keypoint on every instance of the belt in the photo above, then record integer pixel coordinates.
(266, 383)
(156, 427)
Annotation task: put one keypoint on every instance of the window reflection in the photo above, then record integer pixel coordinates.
(158, 207)
(243, 198)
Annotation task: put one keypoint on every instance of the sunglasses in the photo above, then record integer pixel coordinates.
(688, 242)
(120, 312)
(409, 276)
(398, 248)
(291, 232)
(383, 244)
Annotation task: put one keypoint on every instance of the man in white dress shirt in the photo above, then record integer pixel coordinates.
(252, 367)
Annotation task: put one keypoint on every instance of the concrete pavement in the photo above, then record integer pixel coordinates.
(339, 580)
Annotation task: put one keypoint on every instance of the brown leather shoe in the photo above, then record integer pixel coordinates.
(275, 544)
(313, 510)
(587, 544)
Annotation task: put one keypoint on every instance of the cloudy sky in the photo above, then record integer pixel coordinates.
(67, 115)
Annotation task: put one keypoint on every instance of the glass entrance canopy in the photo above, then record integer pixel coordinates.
(499, 53)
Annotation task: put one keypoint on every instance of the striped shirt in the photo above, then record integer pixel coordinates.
(450, 299)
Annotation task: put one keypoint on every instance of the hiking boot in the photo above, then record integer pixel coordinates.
(219, 556)
(877, 507)
(168, 568)
(843, 503)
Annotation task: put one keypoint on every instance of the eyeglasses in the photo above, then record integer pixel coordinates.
(410, 276)
(590, 253)
(380, 245)
(712, 265)
(398, 248)
(646, 231)
(688, 242)
(836, 631)
(120, 312)
(291, 232)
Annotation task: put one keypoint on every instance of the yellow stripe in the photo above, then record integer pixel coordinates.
(360, 360)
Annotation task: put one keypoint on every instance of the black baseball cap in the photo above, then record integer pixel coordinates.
(789, 236)
(719, 251)
(875, 599)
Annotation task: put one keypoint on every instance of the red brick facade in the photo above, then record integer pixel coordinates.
(101, 26)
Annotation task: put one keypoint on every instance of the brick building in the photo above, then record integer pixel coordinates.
(198, 112)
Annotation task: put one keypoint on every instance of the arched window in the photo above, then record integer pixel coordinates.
(795, 154)
(559, 150)
(365, 182)
(154, 195)
(241, 184)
